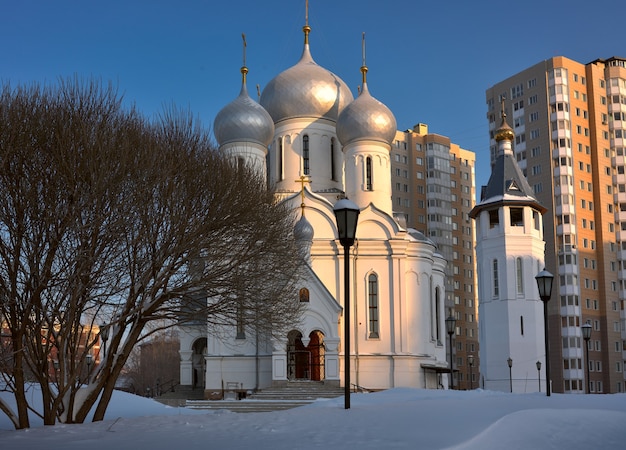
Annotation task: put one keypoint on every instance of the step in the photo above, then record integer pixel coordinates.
(246, 406)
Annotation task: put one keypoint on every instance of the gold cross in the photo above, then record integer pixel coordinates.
(303, 180)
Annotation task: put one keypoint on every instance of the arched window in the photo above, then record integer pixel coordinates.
(496, 285)
(438, 314)
(368, 173)
(372, 293)
(280, 159)
(241, 329)
(519, 272)
(304, 295)
(333, 168)
(305, 155)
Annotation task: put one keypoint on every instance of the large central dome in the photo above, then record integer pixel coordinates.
(305, 90)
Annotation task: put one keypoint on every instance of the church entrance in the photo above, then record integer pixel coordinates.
(198, 362)
(305, 362)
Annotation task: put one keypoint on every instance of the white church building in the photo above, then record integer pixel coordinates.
(510, 252)
(317, 144)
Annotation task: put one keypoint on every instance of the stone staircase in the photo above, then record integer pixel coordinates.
(179, 396)
(292, 395)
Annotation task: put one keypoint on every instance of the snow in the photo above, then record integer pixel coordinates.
(394, 419)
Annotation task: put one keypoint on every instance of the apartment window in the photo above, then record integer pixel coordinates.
(532, 99)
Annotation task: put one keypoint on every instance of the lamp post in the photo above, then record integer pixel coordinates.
(586, 336)
(347, 215)
(544, 284)
(104, 335)
(510, 363)
(470, 361)
(450, 328)
(89, 359)
(538, 363)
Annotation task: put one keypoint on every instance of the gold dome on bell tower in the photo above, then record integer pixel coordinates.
(505, 132)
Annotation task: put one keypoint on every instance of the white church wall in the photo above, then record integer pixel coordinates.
(320, 133)
(357, 190)
(253, 154)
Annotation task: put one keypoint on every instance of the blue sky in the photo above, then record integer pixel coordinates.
(429, 62)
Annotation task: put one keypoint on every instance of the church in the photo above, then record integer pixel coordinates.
(316, 144)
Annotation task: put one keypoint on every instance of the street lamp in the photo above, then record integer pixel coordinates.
(450, 328)
(544, 284)
(586, 336)
(470, 361)
(104, 335)
(510, 363)
(538, 363)
(346, 215)
(89, 359)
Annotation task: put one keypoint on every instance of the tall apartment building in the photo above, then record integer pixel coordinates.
(569, 121)
(433, 185)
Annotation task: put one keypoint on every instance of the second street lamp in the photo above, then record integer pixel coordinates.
(586, 336)
(470, 360)
(538, 363)
(450, 328)
(89, 359)
(347, 215)
(510, 363)
(544, 284)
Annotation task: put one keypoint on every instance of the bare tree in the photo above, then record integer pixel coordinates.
(112, 222)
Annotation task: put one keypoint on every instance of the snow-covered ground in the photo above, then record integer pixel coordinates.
(394, 419)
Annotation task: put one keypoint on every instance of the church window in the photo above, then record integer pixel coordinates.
(305, 155)
(517, 217)
(368, 173)
(333, 168)
(494, 218)
(372, 282)
(304, 295)
(438, 315)
(241, 330)
(280, 159)
(519, 271)
(521, 325)
(496, 285)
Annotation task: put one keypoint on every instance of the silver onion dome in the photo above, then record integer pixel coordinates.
(305, 90)
(366, 118)
(303, 230)
(243, 120)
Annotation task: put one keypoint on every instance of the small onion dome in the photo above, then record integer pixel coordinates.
(305, 90)
(505, 132)
(243, 120)
(303, 230)
(366, 118)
